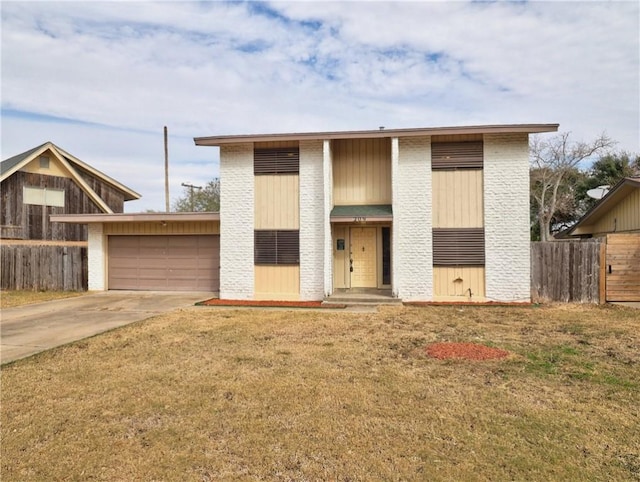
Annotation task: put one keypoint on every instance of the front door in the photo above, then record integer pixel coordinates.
(363, 258)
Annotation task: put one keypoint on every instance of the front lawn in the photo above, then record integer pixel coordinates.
(207, 394)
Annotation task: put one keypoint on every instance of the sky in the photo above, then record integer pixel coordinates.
(102, 79)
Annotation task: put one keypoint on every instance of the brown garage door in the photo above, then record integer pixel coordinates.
(164, 263)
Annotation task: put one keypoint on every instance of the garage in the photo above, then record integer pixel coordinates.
(164, 263)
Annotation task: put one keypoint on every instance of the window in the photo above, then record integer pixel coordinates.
(43, 196)
(276, 160)
(458, 246)
(274, 247)
(44, 162)
(457, 155)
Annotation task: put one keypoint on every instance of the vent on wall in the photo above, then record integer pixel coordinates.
(457, 155)
(458, 246)
(276, 160)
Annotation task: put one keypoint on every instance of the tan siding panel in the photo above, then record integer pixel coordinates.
(55, 167)
(458, 199)
(192, 227)
(361, 171)
(340, 257)
(277, 282)
(625, 216)
(453, 282)
(277, 202)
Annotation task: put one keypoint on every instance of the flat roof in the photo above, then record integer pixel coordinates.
(367, 134)
(133, 217)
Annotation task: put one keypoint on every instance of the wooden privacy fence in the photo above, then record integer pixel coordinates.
(567, 271)
(43, 267)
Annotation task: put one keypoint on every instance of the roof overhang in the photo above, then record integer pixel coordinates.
(368, 134)
(613, 197)
(133, 217)
(372, 213)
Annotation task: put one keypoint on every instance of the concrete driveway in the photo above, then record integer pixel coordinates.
(30, 329)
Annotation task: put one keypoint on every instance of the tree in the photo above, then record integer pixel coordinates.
(206, 199)
(553, 161)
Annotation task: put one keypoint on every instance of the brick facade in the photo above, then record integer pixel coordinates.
(506, 217)
(96, 257)
(311, 220)
(412, 257)
(236, 221)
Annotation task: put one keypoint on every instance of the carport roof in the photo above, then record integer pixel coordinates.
(133, 217)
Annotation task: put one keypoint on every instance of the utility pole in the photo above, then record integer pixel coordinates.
(191, 188)
(166, 170)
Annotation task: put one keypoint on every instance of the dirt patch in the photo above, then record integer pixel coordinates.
(464, 351)
(269, 303)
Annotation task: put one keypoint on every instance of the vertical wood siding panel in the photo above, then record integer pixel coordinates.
(277, 282)
(623, 217)
(458, 199)
(445, 286)
(277, 202)
(362, 171)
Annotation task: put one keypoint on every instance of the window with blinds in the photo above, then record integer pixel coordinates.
(458, 247)
(276, 160)
(276, 247)
(457, 155)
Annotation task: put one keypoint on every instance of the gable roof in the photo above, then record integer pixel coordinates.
(382, 132)
(616, 194)
(17, 162)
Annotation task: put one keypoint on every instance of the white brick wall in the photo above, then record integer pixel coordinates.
(327, 169)
(506, 218)
(96, 257)
(236, 221)
(311, 221)
(412, 238)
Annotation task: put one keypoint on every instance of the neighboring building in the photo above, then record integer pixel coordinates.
(39, 254)
(48, 180)
(617, 212)
(615, 220)
(427, 214)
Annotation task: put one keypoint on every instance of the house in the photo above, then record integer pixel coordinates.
(615, 220)
(47, 180)
(37, 253)
(424, 214)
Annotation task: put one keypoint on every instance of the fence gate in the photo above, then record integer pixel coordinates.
(622, 267)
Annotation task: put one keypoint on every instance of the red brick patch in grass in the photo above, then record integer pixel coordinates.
(268, 303)
(464, 351)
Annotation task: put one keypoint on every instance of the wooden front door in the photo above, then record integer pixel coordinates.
(363, 258)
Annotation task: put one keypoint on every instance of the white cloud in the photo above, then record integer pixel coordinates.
(215, 68)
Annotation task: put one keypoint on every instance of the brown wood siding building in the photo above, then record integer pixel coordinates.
(31, 221)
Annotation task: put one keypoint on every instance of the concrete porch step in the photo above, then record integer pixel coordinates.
(361, 301)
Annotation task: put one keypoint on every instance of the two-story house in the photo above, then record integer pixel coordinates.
(427, 213)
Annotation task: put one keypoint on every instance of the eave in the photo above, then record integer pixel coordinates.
(369, 134)
(133, 217)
